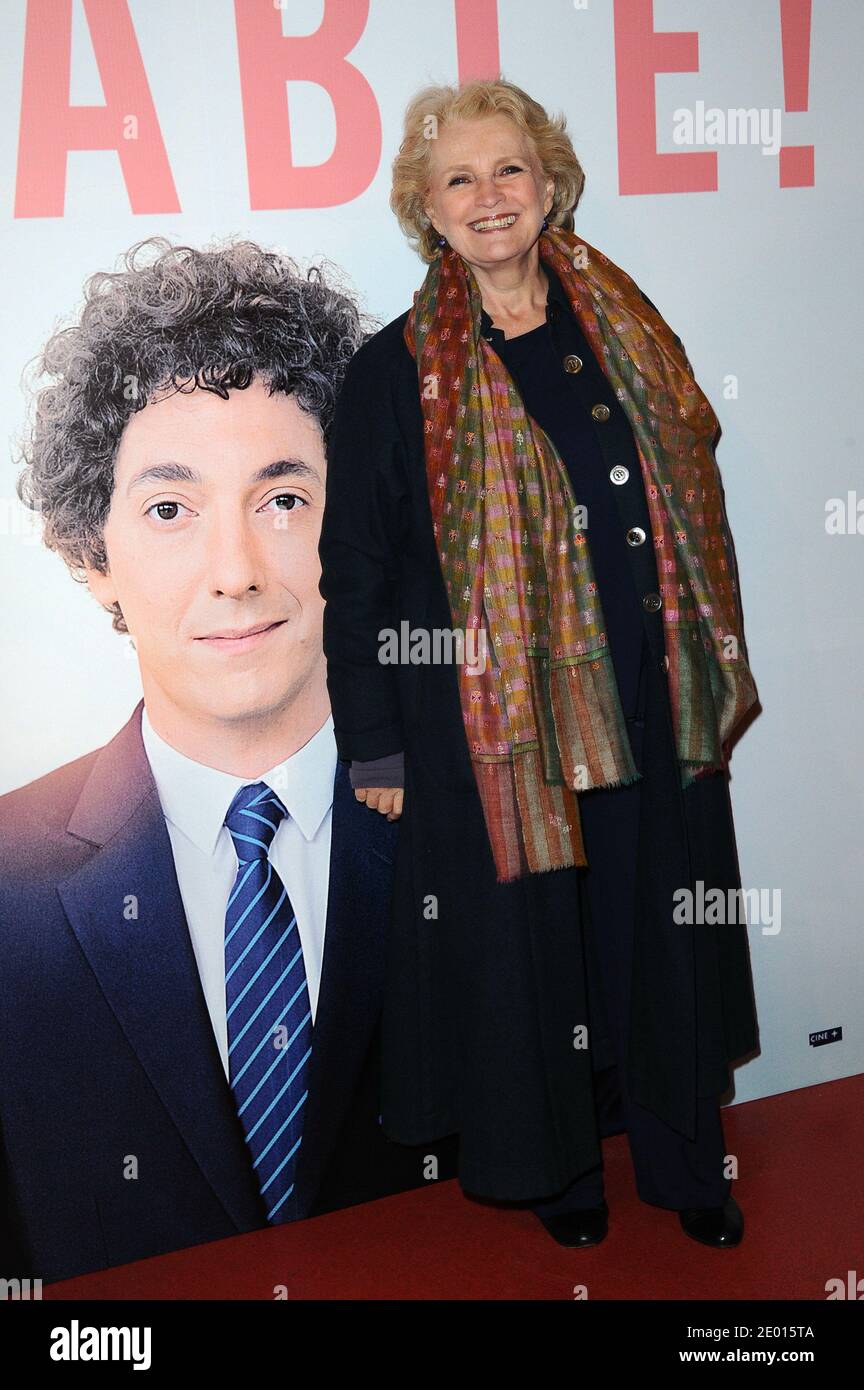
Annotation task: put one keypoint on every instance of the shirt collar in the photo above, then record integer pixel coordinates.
(556, 296)
(195, 798)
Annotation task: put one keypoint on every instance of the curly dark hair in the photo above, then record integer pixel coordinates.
(213, 320)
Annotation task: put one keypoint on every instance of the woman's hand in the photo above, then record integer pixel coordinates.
(387, 800)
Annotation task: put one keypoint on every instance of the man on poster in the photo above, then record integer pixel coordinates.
(192, 916)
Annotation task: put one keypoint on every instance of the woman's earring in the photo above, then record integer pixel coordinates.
(442, 241)
(545, 226)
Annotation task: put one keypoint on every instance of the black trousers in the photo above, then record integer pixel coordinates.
(670, 1170)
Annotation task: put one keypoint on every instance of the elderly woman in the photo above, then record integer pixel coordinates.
(525, 461)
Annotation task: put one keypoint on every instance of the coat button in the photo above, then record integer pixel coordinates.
(572, 363)
(652, 602)
(619, 474)
(600, 412)
(635, 536)
(664, 663)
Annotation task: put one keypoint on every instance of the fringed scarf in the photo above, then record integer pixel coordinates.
(543, 720)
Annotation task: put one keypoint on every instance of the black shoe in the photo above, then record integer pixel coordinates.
(714, 1225)
(578, 1228)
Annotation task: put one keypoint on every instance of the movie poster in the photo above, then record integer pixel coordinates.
(253, 968)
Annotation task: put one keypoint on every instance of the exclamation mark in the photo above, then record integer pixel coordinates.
(796, 161)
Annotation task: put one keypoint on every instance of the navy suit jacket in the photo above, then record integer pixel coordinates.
(108, 1060)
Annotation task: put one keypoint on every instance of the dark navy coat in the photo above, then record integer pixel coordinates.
(486, 981)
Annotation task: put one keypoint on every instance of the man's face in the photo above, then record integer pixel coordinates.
(213, 528)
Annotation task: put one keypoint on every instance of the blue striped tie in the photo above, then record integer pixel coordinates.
(267, 1001)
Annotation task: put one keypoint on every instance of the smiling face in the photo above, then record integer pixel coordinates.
(212, 531)
(487, 192)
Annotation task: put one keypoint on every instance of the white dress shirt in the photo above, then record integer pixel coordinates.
(195, 800)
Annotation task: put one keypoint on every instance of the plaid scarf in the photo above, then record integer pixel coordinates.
(543, 721)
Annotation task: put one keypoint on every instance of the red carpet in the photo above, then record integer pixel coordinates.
(799, 1187)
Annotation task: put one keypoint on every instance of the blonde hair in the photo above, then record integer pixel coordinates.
(472, 101)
